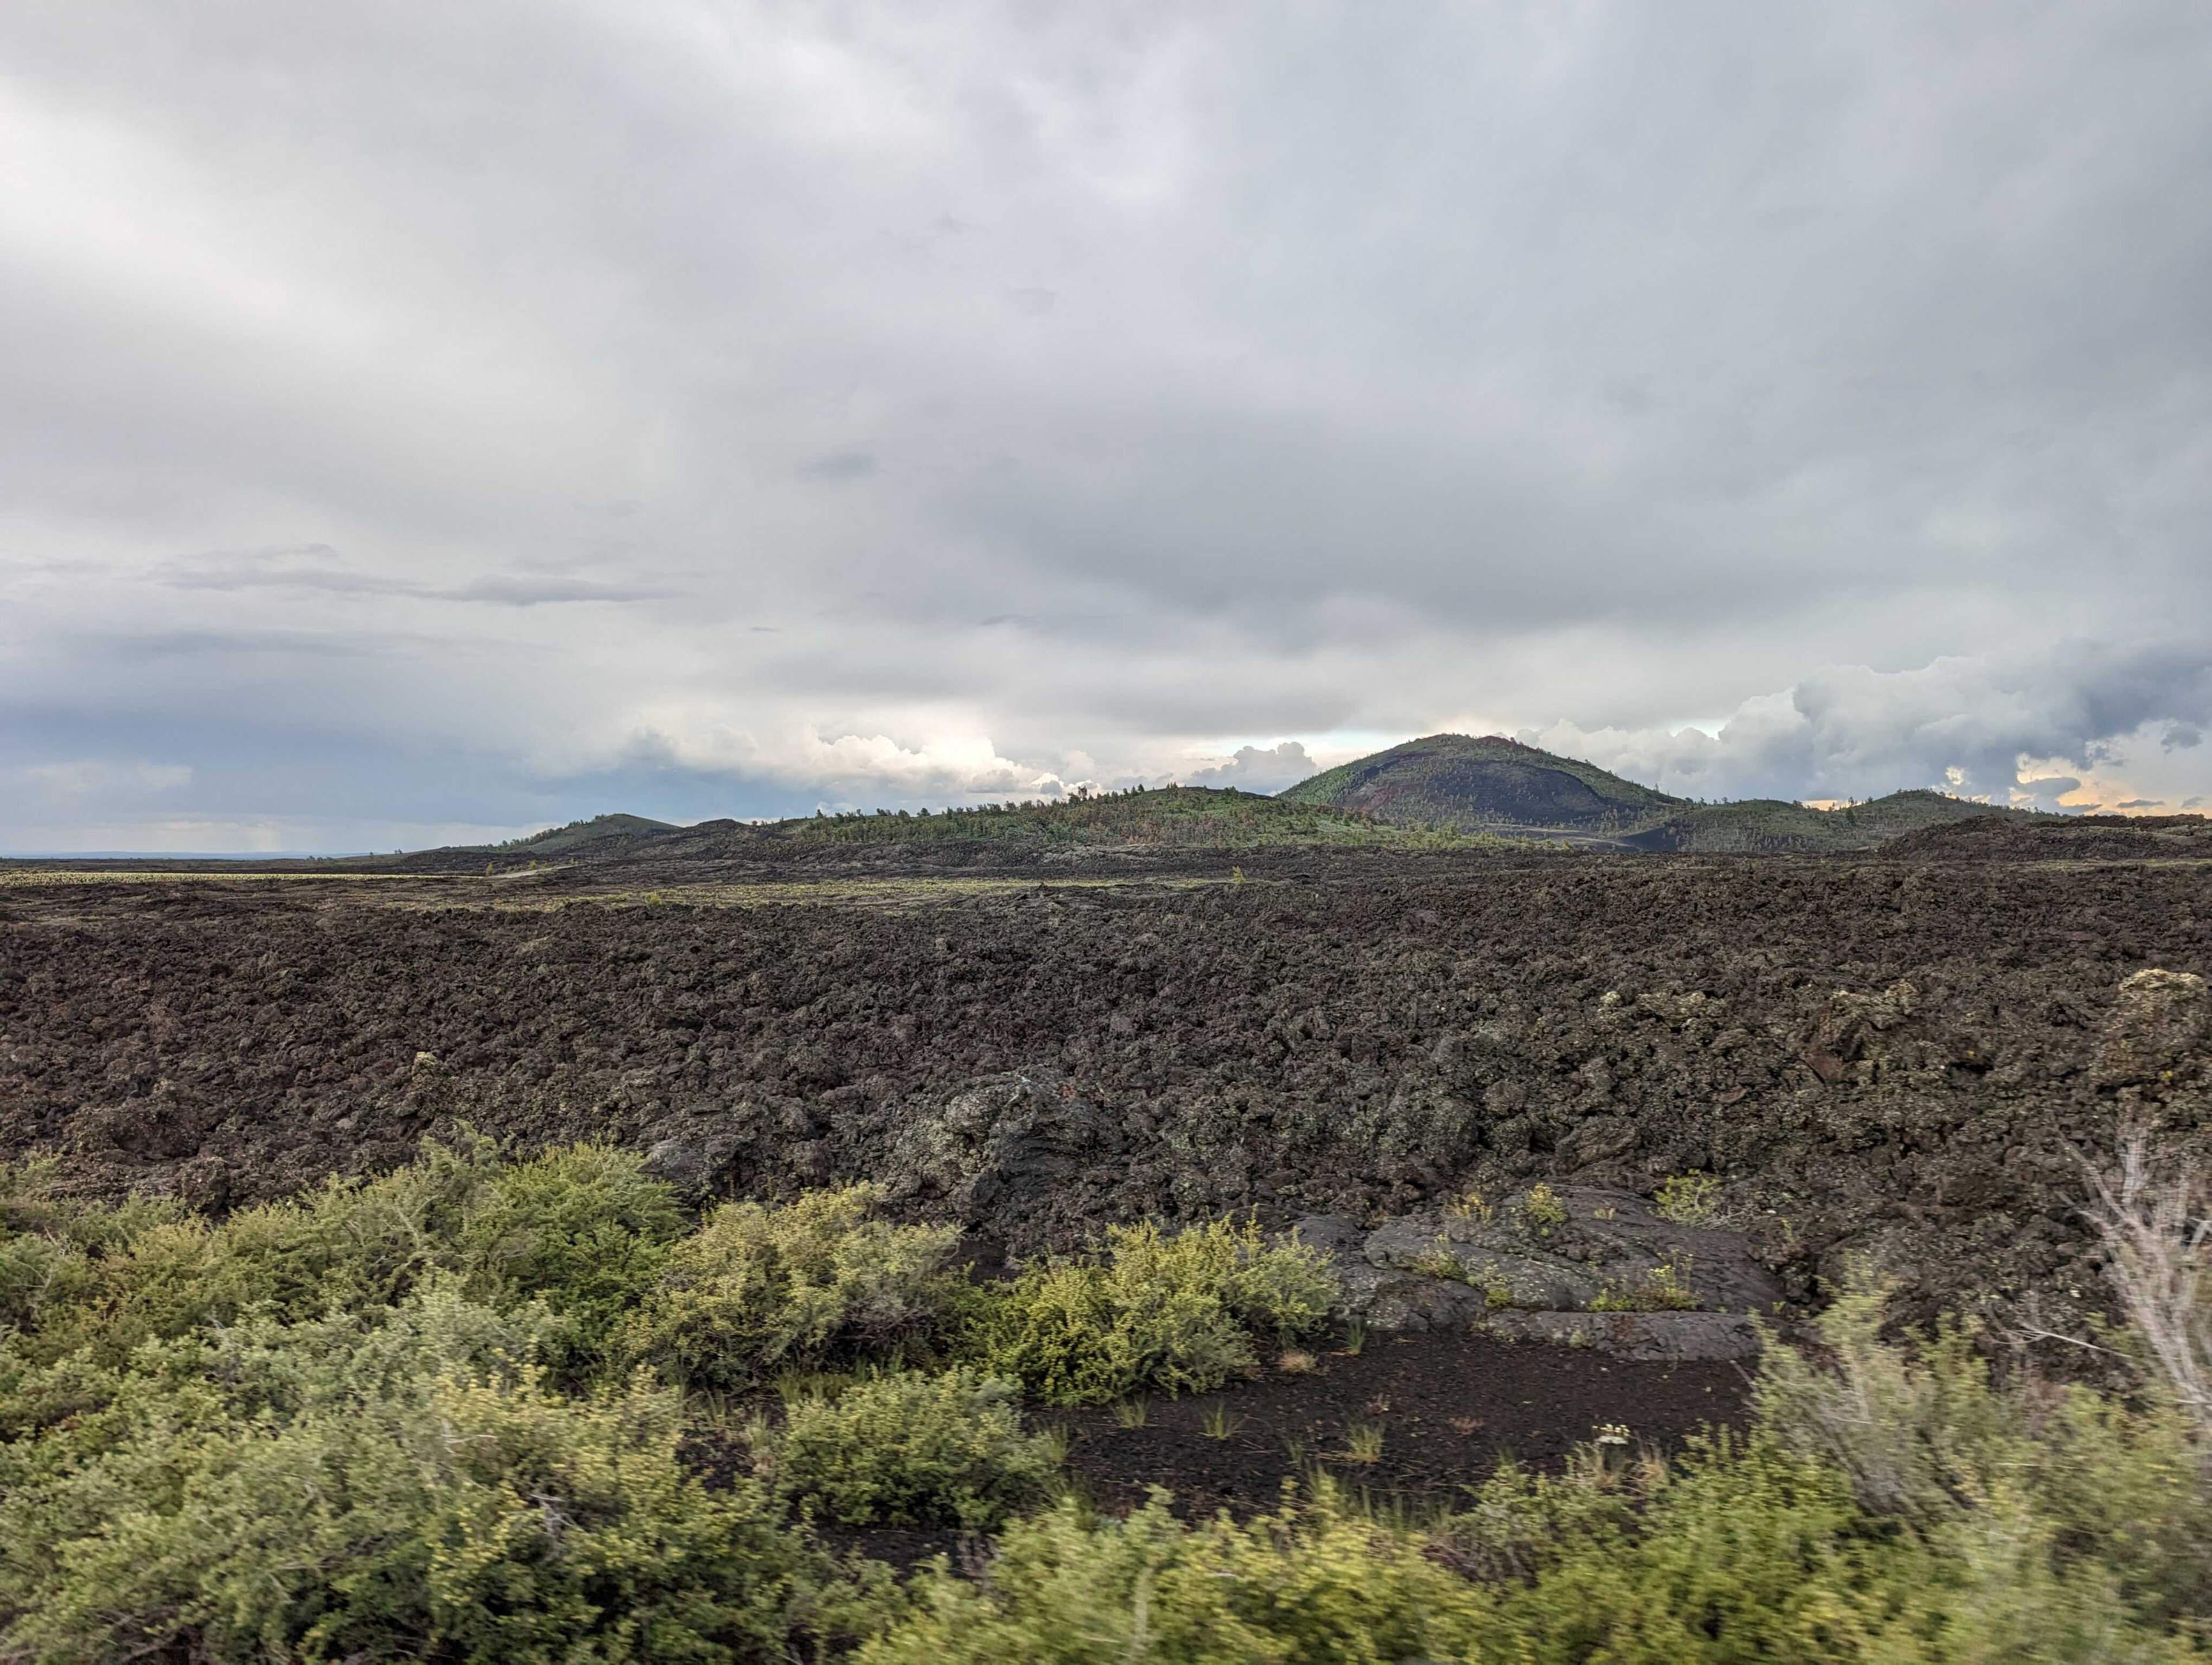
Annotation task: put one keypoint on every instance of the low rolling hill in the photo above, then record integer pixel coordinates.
(1497, 785)
(2063, 838)
(1446, 791)
(582, 835)
(1776, 826)
(1178, 817)
(1210, 817)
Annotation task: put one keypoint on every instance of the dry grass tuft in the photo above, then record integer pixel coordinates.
(1363, 1442)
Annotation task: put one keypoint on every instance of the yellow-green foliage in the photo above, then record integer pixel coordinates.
(1177, 1312)
(1742, 1551)
(1663, 1288)
(1318, 1585)
(1470, 1205)
(154, 1272)
(388, 1422)
(50, 1242)
(409, 1488)
(1893, 1507)
(1542, 1209)
(1690, 1199)
(908, 1451)
(1929, 1438)
(1752, 1552)
(583, 1227)
(756, 1288)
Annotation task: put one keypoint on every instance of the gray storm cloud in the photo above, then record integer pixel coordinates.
(426, 418)
(1992, 728)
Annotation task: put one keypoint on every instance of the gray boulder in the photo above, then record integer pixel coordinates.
(999, 1149)
(699, 1166)
(1661, 1335)
(1577, 1264)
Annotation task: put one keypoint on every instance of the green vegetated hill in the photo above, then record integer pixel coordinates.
(1443, 790)
(1209, 817)
(1499, 786)
(1197, 817)
(555, 840)
(1487, 783)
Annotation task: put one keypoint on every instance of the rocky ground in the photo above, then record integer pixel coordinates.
(1901, 1058)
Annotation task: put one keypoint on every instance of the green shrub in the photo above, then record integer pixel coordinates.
(1662, 1288)
(142, 1272)
(347, 1427)
(585, 1228)
(755, 1288)
(1890, 1505)
(1741, 1551)
(582, 1227)
(1176, 1313)
(1927, 1436)
(582, 1230)
(1690, 1199)
(50, 1241)
(909, 1451)
(1316, 1585)
(1542, 1209)
(39, 1274)
(1749, 1550)
(347, 1490)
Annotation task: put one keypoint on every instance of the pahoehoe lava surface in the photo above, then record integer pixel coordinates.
(1892, 1056)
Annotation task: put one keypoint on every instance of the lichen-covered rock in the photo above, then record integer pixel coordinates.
(1563, 1250)
(1851, 1027)
(1599, 1138)
(1500, 1267)
(1405, 1302)
(999, 1151)
(699, 1166)
(2158, 1034)
(1332, 1234)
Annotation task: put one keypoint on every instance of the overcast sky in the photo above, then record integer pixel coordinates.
(425, 421)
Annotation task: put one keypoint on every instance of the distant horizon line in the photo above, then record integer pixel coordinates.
(185, 855)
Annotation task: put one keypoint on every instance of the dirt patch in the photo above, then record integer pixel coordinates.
(1442, 1409)
(1445, 1408)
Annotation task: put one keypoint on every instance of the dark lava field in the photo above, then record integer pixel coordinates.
(1909, 1058)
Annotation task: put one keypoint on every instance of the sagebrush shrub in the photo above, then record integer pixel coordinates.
(1742, 1549)
(354, 1426)
(50, 1241)
(1318, 1585)
(149, 1272)
(908, 1451)
(1926, 1435)
(585, 1228)
(351, 1489)
(755, 1288)
(1178, 1313)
